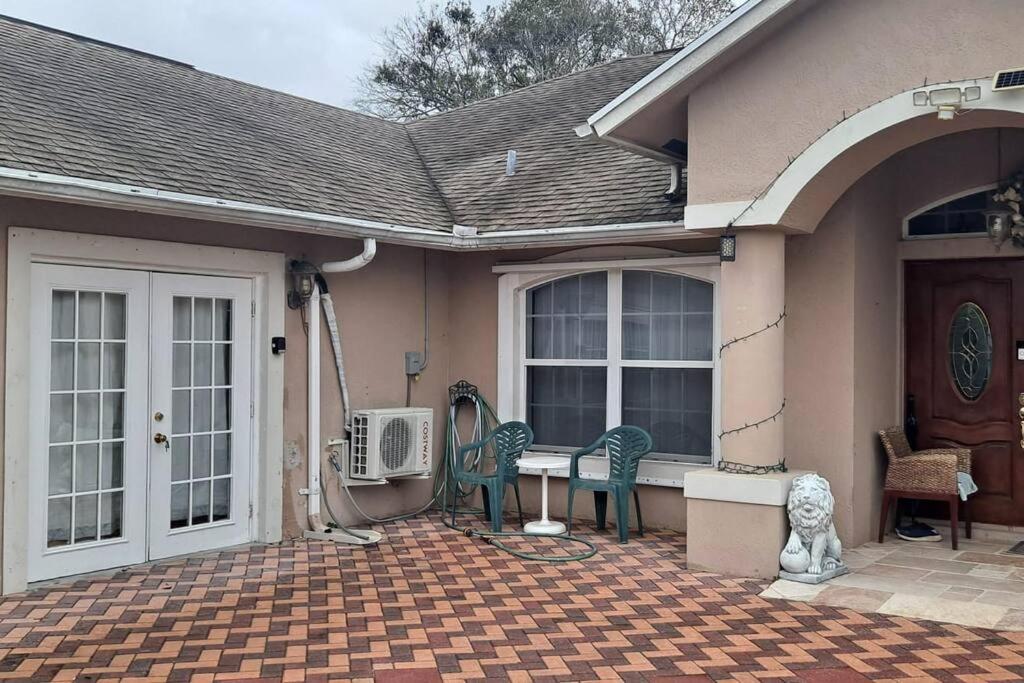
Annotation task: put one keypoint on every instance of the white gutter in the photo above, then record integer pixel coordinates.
(313, 500)
(22, 183)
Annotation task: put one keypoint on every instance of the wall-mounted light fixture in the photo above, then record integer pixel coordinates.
(998, 224)
(947, 100)
(727, 247)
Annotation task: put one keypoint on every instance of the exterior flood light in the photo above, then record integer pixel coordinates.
(727, 248)
(947, 100)
(945, 97)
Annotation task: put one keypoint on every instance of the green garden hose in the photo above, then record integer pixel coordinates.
(487, 421)
(490, 536)
(447, 491)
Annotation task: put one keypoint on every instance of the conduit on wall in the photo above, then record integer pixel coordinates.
(313, 447)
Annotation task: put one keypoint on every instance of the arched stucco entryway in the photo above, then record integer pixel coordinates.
(807, 188)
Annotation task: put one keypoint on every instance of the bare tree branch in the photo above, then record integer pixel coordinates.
(443, 57)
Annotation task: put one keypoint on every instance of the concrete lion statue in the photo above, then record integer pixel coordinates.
(813, 546)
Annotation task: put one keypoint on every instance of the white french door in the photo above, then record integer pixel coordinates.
(139, 446)
(201, 398)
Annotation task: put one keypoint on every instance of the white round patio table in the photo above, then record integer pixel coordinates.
(543, 463)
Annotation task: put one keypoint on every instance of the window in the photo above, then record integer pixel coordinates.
(959, 216)
(610, 346)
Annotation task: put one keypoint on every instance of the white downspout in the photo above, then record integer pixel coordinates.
(313, 500)
(313, 412)
(354, 263)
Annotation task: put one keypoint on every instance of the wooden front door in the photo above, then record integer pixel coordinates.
(964, 331)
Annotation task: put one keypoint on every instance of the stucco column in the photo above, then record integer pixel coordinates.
(752, 298)
(736, 522)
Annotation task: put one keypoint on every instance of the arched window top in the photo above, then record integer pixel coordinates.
(961, 215)
(621, 345)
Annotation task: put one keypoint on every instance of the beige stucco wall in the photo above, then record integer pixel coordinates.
(380, 310)
(473, 322)
(743, 537)
(835, 59)
(843, 332)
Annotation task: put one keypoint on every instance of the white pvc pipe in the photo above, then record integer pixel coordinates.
(313, 412)
(354, 263)
(313, 383)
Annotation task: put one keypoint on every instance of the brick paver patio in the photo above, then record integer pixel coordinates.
(430, 603)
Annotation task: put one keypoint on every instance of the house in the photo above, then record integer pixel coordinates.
(151, 211)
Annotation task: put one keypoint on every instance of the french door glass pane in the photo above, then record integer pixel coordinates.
(565, 406)
(201, 408)
(666, 317)
(568, 318)
(673, 405)
(85, 465)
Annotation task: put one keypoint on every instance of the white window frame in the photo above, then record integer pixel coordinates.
(513, 283)
(939, 202)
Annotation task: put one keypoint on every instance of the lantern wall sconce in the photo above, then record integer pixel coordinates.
(998, 226)
(727, 248)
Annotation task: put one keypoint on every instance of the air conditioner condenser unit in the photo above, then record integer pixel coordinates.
(391, 442)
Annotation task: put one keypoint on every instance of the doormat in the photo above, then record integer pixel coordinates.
(1017, 549)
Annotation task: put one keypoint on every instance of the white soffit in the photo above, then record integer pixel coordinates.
(686, 64)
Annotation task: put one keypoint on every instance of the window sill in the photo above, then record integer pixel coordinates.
(651, 473)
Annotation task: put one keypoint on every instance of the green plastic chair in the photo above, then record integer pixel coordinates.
(508, 440)
(624, 446)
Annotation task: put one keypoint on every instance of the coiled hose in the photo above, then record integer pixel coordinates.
(446, 488)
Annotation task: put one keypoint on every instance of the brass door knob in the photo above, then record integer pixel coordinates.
(159, 438)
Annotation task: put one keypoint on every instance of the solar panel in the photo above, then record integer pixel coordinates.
(1008, 80)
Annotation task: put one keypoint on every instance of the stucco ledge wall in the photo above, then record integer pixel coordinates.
(736, 523)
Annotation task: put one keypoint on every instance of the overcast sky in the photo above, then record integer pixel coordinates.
(312, 48)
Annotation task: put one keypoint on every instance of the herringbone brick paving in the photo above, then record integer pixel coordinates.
(430, 603)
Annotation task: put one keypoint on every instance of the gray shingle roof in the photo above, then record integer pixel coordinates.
(76, 107)
(560, 179)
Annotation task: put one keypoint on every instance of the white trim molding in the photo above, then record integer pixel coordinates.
(771, 208)
(666, 473)
(939, 202)
(729, 487)
(48, 186)
(266, 270)
(516, 279)
(686, 65)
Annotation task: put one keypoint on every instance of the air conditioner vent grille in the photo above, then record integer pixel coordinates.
(1010, 79)
(390, 442)
(359, 451)
(395, 442)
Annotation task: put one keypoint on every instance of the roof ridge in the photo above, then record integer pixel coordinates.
(96, 41)
(192, 68)
(532, 86)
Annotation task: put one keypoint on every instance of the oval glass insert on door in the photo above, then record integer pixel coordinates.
(970, 350)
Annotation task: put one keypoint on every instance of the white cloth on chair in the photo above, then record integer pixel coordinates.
(965, 485)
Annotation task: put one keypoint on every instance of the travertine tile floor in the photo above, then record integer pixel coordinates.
(978, 585)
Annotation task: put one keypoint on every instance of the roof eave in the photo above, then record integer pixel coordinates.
(687, 65)
(104, 194)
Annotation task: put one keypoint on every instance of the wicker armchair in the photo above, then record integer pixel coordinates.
(929, 475)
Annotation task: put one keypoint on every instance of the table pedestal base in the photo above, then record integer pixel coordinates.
(544, 527)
